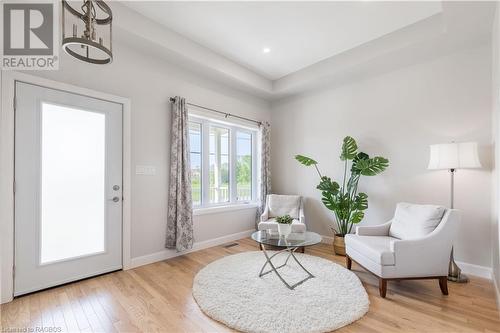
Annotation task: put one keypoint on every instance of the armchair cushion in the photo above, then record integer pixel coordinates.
(415, 221)
(271, 223)
(280, 205)
(375, 248)
(374, 230)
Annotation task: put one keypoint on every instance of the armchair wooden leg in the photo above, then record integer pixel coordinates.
(443, 284)
(348, 262)
(382, 287)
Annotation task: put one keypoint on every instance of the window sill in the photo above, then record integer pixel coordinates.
(226, 208)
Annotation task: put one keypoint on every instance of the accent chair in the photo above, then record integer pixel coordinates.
(415, 244)
(279, 205)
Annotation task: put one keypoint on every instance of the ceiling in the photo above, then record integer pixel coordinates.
(298, 34)
(313, 44)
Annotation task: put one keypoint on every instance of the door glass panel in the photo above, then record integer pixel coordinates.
(219, 165)
(243, 166)
(72, 183)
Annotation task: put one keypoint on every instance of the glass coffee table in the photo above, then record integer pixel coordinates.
(288, 245)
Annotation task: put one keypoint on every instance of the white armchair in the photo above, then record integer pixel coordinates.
(279, 205)
(415, 244)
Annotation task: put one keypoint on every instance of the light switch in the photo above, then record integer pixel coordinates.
(146, 170)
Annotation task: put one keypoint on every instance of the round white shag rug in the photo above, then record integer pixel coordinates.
(230, 291)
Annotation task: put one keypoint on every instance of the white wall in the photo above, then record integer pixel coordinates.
(495, 230)
(149, 82)
(396, 115)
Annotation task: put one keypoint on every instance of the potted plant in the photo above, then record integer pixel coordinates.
(284, 225)
(344, 200)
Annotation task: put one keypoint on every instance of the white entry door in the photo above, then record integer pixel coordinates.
(68, 187)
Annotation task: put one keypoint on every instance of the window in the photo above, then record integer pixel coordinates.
(223, 163)
(219, 165)
(243, 166)
(195, 155)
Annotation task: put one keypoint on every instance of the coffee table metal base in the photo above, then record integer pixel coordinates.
(290, 251)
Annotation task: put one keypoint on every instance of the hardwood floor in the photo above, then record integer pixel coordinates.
(157, 297)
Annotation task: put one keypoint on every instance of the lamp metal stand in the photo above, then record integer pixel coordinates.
(454, 272)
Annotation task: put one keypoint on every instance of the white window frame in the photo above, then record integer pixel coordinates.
(206, 122)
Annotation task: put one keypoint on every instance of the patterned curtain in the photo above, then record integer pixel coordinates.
(180, 206)
(265, 168)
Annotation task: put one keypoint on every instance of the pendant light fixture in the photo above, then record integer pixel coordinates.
(87, 30)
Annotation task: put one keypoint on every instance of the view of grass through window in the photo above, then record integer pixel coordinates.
(219, 165)
(195, 147)
(244, 166)
(218, 188)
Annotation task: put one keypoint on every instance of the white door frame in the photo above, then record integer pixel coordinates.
(7, 130)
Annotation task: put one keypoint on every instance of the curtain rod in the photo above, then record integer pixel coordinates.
(172, 99)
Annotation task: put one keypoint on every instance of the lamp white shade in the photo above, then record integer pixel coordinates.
(456, 155)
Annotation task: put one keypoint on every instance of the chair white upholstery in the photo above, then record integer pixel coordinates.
(426, 255)
(375, 248)
(279, 205)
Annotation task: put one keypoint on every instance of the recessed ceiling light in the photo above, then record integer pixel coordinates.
(266, 50)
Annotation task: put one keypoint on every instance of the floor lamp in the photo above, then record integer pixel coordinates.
(453, 156)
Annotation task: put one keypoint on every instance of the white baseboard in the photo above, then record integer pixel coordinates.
(471, 269)
(167, 254)
(476, 270)
(497, 289)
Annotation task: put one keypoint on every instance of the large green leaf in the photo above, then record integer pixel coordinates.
(307, 161)
(355, 173)
(328, 185)
(361, 201)
(372, 166)
(343, 206)
(359, 156)
(329, 200)
(349, 149)
(357, 217)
